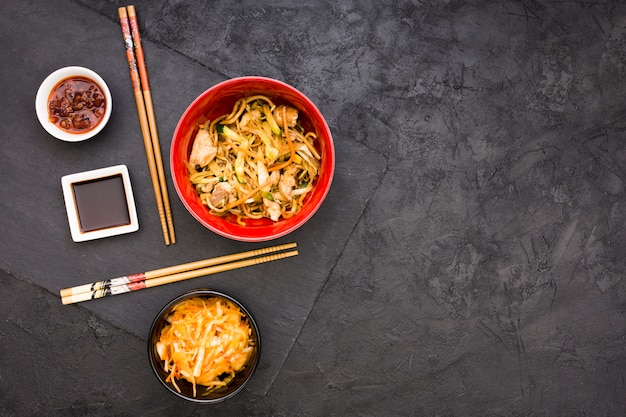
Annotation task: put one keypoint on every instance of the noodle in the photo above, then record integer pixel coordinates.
(255, 162)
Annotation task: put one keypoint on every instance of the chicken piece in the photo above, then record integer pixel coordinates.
(273, 209)
(206, 188)
(221, 194)
(275, 177)
(292, 115)
(250, 116)
(203, 150)
(286, 184)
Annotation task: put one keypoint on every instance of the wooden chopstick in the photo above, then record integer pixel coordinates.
(143, 276)
(174, 273)
(150, 136)
(147, 95)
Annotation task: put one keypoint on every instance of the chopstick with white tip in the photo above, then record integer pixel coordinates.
(140, 281)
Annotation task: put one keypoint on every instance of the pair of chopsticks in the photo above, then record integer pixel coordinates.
(134, 282)
(145, 110)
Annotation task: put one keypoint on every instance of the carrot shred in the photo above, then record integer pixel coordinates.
(292, 149)
(206, 341)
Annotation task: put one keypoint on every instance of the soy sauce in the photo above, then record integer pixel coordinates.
(101, 203)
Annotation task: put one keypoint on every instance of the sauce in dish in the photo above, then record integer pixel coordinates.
(101, 203)
(76, 105)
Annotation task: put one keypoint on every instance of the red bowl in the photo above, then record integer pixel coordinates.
(219, 100)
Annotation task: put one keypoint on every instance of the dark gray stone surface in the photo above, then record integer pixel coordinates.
(469, 260)
(280, 294)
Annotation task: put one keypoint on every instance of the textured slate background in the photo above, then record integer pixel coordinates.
(280, 295)
(469, 260)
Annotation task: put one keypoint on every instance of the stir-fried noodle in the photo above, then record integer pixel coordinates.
(256, 162)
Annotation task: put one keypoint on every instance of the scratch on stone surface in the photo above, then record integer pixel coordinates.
(432, 200)
(526, 15)
(601, 132)
(462, 77)
(522, 359)
(20, 325)
(553, 296)
(591, 238)
(528, 260)
(309, 356)
(611, 165)
(403, 361)
(490, 334)
(342, 386)
(595, 19)
(427, 257)
(564, 241)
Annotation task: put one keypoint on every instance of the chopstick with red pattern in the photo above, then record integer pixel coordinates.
(135, 282)
(147, 122)
(147, 95)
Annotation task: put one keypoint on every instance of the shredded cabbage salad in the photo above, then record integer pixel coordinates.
(206, 341)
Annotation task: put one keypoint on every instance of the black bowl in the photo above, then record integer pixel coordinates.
(234, 386)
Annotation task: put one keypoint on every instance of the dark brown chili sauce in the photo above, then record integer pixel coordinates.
(76, 105)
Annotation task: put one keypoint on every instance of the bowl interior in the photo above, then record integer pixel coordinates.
(43, 94)
(241, 377)
(219, 100)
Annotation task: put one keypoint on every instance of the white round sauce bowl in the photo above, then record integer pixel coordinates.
(44, 95)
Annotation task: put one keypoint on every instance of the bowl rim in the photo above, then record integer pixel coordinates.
(203, 292)
(330, 154)
(43, 93)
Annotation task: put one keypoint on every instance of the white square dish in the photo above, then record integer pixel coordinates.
(100, 203)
